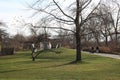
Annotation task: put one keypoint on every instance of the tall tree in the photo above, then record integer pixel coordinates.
(78, 15)
(116, 19)
(3, 34)
(104, 17)
(93, 28)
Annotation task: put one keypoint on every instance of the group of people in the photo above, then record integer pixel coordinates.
(94, 49)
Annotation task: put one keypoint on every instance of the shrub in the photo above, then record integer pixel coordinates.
(7, 51)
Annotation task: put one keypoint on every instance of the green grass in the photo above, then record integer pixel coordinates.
(56, 66)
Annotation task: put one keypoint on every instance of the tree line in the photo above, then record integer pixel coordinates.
(100, 23)
(93, 22)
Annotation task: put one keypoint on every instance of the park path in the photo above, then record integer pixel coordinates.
(105, 55)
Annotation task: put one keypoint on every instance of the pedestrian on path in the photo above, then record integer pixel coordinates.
(97, 49)
(92, 50)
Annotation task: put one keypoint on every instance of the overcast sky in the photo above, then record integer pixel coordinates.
(11, 10)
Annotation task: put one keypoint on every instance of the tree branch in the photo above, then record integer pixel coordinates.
(63, 11)
(56, 28)
(41, 10)
(87, 3)
(90, 13)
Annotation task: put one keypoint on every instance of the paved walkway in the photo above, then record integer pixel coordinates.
(106, 55)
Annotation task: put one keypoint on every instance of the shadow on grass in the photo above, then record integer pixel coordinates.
(12, 70)
(68, 64)
(52, 66)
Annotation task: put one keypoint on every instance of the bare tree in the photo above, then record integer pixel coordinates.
(105, 19)
(18, 41)
(115, 16)
(93, 28)
(77, 9)
(2, 24)
(3, 32)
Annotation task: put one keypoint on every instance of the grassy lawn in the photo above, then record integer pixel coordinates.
(56, 66)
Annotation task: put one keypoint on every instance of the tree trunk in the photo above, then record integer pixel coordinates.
(116, 38)
(78, 43)
(97, 40)
(106, 40)
(78, 47)
(78, 32)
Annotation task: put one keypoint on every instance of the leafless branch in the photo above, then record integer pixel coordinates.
(86, 4)
(41, 10)
(55, 28)
(88, 17)
(63, 11)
